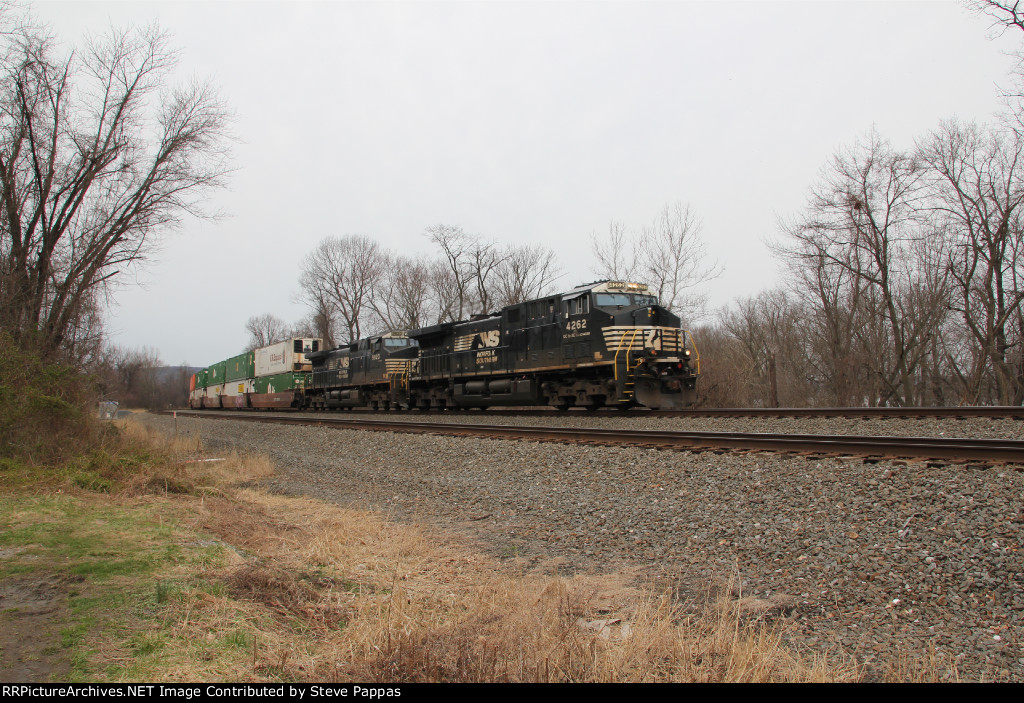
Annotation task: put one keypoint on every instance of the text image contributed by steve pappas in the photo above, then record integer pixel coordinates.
(190, 692)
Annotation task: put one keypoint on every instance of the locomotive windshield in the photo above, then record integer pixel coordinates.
(397, 343)
(607, 300)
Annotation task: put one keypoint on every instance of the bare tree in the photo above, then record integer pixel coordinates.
(773, 332)
(674, 260)
(978, 191)
(455, 276)
(95, 160)
(831, 294)
(321, 321)
(861, 219)
(402, 300)
(669, 255)
(525, 272)
(265, 330)
(1005, 15)
(724, 369)
(483, 260)
(615, 253)
(471, 265)
(339, 278)
(446, 300)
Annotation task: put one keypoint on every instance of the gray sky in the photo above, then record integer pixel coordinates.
(525, 122)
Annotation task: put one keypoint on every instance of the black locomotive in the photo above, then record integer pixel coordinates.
(602, 344)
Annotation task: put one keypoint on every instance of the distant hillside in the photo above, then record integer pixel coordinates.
(165, 373)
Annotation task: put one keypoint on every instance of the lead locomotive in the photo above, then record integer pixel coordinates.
(602, 344)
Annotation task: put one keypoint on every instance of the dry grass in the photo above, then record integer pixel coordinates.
(313, 592)
(336, 594)
(188, 468)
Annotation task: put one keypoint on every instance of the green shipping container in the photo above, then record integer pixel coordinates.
(281, 382)
(216, 374)
(201, 378)
(241, 367)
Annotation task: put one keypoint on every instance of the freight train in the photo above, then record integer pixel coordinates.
(271, 377)
(602, 344)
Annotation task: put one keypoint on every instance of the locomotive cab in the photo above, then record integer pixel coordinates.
(650, 359)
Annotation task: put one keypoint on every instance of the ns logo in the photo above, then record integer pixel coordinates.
(486, 339)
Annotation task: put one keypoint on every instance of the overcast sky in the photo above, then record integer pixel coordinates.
(525, 122)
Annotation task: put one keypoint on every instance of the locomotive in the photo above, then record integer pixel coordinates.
(602, 344)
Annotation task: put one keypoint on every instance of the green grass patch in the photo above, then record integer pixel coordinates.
(120, 567)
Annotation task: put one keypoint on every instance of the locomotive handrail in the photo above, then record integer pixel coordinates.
(629, 348)
(399, 379)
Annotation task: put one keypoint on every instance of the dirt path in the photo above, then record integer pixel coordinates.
(31, 613)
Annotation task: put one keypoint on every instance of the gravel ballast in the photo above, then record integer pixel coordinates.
(885, 561)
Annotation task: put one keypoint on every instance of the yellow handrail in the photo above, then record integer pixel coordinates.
(629, 347)
(399, 379)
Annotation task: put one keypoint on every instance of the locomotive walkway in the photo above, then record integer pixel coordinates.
(869, 448)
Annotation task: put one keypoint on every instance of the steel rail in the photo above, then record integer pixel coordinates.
(958, 449)
(990, 411)
(1003, 411)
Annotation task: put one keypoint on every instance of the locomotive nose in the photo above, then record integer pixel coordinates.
(647, 316)
(640, 317)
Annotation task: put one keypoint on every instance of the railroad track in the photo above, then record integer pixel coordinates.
(990, 411)
(957, 450)
(994, 411)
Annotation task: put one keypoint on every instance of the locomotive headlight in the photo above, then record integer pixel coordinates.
(686, 352)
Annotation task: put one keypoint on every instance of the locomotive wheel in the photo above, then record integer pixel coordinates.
(562, 407)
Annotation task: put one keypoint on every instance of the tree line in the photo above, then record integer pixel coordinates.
(904, 275)
(904, 285)
(353, 287)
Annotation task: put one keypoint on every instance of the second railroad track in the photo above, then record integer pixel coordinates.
(952, 449)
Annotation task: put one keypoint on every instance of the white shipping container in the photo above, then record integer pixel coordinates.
(277, 358)
(282, 357)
